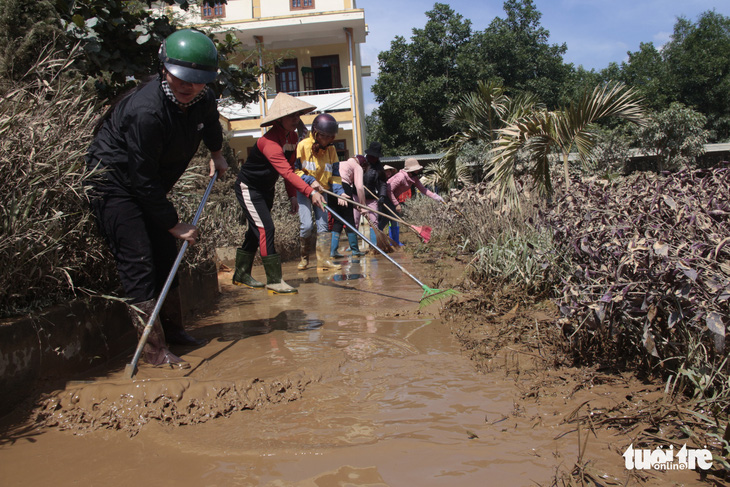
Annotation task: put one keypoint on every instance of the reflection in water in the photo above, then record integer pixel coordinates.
(347, 277)
(291, 320)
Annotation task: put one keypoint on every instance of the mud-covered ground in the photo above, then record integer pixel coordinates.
(510, 334)
(347, 383)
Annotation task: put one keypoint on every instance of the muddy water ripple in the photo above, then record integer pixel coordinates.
(345, 384)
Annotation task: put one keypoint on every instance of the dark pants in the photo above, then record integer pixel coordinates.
(144, 253)
(384, 220)
(345, 212)
(256, 205)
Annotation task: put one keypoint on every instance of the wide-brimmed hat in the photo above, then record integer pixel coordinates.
(283, 105)
(375, 150)
(412, 165)
(389, 168)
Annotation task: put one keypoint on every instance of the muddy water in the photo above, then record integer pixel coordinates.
(346, 383)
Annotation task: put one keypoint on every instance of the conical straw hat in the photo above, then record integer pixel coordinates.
(283, 105)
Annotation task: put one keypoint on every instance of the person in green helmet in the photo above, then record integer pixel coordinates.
(144, 142)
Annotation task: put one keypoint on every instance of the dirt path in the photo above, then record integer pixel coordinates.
(346, 383)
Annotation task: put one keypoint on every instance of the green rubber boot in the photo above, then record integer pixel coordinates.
(352, 238)
(242, 274)
(274, 283)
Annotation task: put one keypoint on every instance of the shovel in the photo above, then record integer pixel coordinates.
(131, 367)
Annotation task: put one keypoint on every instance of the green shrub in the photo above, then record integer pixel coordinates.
(526, 258)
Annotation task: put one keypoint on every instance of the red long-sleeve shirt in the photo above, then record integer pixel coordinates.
(273, 156)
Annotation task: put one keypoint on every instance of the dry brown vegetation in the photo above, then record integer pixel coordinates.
(631, 278)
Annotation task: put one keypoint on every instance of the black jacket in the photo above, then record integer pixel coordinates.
(147, 143)
(374, 179)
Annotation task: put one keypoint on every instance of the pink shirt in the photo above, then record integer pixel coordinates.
(402, 181)
(351, 173)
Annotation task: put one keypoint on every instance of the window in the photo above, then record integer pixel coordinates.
(209, 11)
(301, 4)
(341, 147)
(286, 76)
(326, 72)
(308, 78)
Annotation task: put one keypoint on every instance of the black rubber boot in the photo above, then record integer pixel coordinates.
(155, 350)
(242, 274)
(171, 317)
(274, 283)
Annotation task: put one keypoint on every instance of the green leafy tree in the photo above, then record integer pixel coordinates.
(646, 72)
(612, 152)
(542, 132)
(675, 136)
(419, 79)
(120, 41)
(520, 55)
(698, 63)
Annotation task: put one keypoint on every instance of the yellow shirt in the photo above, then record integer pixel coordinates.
(321, 166)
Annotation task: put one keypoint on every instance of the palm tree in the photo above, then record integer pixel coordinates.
(541, 132)
(478, 116)
(439, 176)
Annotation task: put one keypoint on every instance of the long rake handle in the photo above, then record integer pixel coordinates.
(131, 368)
(366, 207)
(376, 247)
(395, 215)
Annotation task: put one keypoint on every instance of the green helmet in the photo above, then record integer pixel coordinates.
(190, 56)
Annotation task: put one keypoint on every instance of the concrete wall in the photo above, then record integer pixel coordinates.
(40, 351)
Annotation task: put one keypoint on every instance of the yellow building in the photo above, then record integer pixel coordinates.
(319, 41)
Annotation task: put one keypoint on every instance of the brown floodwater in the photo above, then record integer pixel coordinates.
(346, 383)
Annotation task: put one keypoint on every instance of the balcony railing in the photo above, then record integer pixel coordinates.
(325, 100)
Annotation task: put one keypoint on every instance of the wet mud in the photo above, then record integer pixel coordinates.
(347, 383)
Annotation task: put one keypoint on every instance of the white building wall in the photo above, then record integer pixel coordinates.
(275, 8)
(243, 9)
(240, 9)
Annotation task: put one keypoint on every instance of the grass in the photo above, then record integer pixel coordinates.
(49, 248)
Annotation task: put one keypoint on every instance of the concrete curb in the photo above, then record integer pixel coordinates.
(65, 341)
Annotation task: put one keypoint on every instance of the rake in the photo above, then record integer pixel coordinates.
(423, 232)
(131, 368)
(384, 241)
(430, 295)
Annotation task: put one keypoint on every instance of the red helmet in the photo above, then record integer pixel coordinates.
(325, 124)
